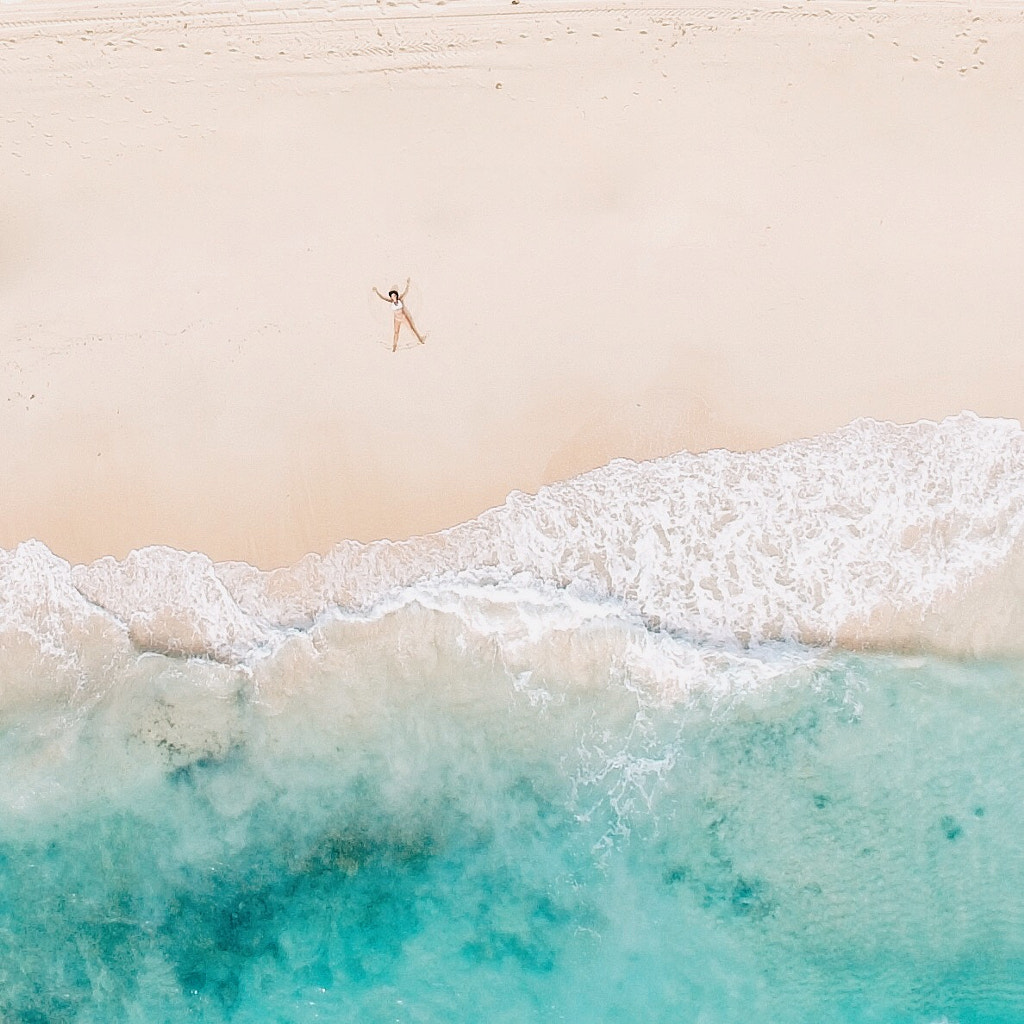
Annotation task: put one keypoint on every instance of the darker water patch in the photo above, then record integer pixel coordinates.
(352, 889)
(523, 923)
(319, 891)
(717, 888)
(951, 828)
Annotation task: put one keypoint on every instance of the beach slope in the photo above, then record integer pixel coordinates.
(630, 230)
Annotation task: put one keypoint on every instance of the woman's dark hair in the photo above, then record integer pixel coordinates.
(392, 292)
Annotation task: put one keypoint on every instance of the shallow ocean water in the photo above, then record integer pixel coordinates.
(598, 755)
(454, 843)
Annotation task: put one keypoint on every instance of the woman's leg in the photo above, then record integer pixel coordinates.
(398, 327)
(408, 320)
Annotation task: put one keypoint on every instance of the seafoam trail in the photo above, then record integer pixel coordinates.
(875, 535)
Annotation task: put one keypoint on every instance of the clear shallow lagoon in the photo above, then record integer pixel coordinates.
(448, 842)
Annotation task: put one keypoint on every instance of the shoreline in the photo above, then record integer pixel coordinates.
(648, 239)
(877, 537)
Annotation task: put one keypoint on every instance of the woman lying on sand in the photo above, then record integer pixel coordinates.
(401, 313)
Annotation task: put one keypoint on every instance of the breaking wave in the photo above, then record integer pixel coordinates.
(875, 536)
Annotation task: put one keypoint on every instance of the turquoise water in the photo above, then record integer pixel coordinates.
(424, 838)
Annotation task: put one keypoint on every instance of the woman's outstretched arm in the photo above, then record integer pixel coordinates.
(403, 295)
(379, 296)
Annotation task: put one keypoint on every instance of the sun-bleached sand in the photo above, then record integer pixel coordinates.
(630, 230)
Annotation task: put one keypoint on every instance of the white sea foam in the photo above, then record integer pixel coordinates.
(877, 534)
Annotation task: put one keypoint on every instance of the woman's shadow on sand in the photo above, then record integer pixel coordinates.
(403, 345)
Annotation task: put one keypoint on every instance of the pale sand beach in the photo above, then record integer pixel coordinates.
(729, 735)
(630, 230)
